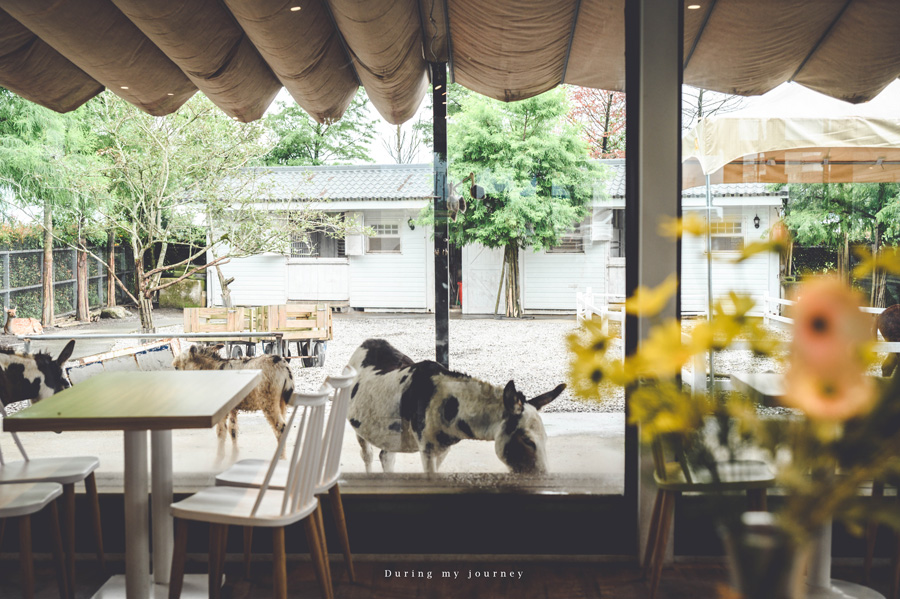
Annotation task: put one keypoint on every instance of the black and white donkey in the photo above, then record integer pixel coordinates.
(32, 376)
(403, 406)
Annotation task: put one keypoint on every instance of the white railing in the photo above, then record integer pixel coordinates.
(586, 307)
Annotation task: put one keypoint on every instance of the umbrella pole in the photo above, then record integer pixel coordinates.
(711, 383)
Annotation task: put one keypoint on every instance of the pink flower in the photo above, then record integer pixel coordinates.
(826, 377)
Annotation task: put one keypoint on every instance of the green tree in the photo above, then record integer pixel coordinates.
(840, 215)
(184, 179)
(301, 141)
(45, 160)
(534, 169)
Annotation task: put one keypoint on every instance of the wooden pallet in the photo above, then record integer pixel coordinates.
(297, 321)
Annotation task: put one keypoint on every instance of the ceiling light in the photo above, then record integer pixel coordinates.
(124, 87)
(170, 94)
(693, 6)
(295, 8)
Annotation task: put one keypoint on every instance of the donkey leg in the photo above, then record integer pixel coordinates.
(233, 426)
(276, 421)
(366, 453)
(387, 460)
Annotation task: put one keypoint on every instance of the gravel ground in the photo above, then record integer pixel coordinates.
(532, 352)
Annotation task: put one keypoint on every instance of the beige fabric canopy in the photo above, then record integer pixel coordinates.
(794, 135)
(60, 53)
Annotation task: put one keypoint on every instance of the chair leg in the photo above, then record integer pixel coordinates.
(248, 543)
(312, 539)
(279, 563)
(26, 559)
(872, 532)
(179, 554)
(66, 586)
(217, 535)
(90, 487)
(340, 522)
(665, 520)
(320, 526)
(757, 500)
(651, 536)
(69, 519)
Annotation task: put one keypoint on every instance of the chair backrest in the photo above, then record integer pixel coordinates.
(305, 460)
(674, 443)
(337, 423)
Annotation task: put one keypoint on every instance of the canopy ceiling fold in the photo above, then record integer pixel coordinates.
(794, 135)
(225, 67)
(321, 50)
(37, 72)
(96, 37)
(304, 51)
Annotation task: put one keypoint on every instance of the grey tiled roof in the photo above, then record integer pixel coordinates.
(615, 185)
(356, 182)
(416, 181)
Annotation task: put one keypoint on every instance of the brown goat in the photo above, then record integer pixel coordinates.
(269, 397)
(888, 322)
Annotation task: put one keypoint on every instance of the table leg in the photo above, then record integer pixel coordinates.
(820, 585)
(137, 541)
(161, 499)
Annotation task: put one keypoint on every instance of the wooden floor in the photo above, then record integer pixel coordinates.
(539, 580)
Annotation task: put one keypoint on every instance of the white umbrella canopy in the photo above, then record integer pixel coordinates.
(795, 135)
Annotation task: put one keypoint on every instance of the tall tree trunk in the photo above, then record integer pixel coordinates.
(47, 280)
(223, 284)
(513, 305)
(144, 295)
(111, 269)
(82, 308)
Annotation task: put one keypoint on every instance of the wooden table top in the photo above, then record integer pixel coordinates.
(769, 386)
(159, 400)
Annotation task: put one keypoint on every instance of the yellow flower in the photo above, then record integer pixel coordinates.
(589, 361)
(650, 302)
(887, 259)
(662, 354)
(692, 224)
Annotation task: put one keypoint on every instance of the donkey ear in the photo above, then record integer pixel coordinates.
(512, 400)
(66, 353)
(193, 349)
(544, 398)
(218, 346)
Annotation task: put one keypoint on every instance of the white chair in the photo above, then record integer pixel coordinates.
(21, 501)
(65, 471)
(251, 473)
(264, 507)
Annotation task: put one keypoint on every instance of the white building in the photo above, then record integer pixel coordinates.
(391, 270)
(394, 269)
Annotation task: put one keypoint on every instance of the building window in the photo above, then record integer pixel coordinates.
(571, 242)
(319, 243)
(386, 239)
(727, 236)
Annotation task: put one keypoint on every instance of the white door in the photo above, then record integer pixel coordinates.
(480, 278)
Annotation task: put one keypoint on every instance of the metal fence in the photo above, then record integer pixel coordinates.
(22, 279)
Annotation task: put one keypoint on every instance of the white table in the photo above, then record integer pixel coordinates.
(137, 403)
(769, 388)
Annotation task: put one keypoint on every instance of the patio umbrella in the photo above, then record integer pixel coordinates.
(793, 135)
